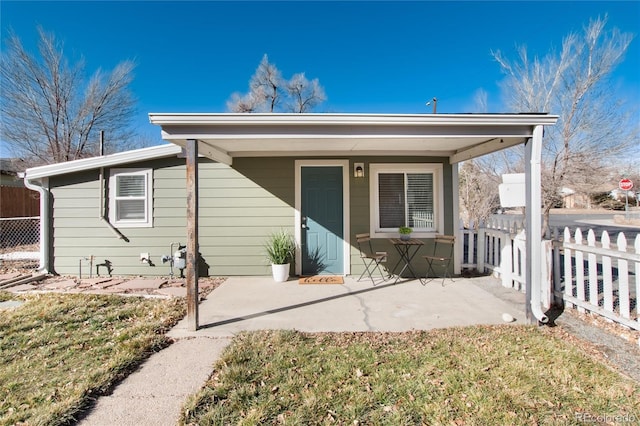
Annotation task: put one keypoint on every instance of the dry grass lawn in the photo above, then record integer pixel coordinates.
(59, 351)
(460, 376)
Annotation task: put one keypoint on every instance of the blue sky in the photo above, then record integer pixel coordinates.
(384, 57)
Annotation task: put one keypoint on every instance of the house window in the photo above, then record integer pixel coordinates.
(130, 197)
(406, 195)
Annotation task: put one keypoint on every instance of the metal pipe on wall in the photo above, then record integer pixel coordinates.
(42, 188)
(101, 207)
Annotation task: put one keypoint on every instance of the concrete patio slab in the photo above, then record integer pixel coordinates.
(254, 303)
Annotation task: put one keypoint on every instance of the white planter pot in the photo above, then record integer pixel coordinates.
(280, 272)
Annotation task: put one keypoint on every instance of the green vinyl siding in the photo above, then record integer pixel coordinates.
(238, 210)
(236, 215)
(239, 207)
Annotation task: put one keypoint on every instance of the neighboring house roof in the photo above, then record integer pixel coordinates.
(110, 160)
(590, 190)
(621, 193)
(10, 166)
(566, 191)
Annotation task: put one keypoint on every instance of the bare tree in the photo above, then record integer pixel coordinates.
(266, 84)
(480, 101)
(304, 94)
(50, 113)
(594, 127)
(270, 92)
(478, 197)
(249, 102)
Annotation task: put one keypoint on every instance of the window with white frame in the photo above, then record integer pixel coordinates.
(406, 195)
(130, 197)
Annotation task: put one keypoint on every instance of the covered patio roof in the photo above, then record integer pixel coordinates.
(457, 136)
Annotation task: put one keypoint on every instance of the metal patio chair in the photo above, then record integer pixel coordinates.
(441, 257)
(370, 258)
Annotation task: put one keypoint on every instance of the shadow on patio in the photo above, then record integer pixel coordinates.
(255, 303)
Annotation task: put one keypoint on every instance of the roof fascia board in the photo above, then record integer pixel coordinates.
(103, 161)
(201, 135)
(164, 119)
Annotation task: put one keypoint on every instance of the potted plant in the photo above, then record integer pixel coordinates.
(280, 248)
(405, 233)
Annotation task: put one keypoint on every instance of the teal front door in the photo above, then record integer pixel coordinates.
(322, 220)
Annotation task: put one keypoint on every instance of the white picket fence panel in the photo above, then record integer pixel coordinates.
(497, 246)
(422, 219)
(600, 277)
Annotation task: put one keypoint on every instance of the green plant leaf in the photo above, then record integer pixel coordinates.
(280, 247)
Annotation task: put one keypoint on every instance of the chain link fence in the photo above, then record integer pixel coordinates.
(19, 242)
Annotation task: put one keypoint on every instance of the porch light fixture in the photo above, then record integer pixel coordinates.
(358, 170)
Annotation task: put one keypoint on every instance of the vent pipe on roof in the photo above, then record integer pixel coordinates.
(435, 104)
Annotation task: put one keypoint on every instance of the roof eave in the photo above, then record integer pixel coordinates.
(103, 161)
(350, 119)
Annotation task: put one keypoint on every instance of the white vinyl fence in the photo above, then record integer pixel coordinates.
(602, 277)
(498, 246)
(597, 276)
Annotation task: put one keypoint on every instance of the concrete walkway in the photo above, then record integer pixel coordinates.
(154, 393)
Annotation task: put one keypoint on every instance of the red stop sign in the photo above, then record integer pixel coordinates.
(625, 184)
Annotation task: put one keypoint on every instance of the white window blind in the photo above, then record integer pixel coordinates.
(419, 200)
(392, 200)
(406, 199)
(130, 197)
(406, 195)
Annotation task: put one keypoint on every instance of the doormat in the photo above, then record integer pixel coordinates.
(322, 279)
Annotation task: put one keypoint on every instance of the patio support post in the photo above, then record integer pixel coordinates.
(533, 180)
(455, 190)
(192, 234)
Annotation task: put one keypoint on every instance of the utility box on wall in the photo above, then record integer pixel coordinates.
(512, 190)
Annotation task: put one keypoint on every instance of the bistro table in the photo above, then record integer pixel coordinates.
(407, 249)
